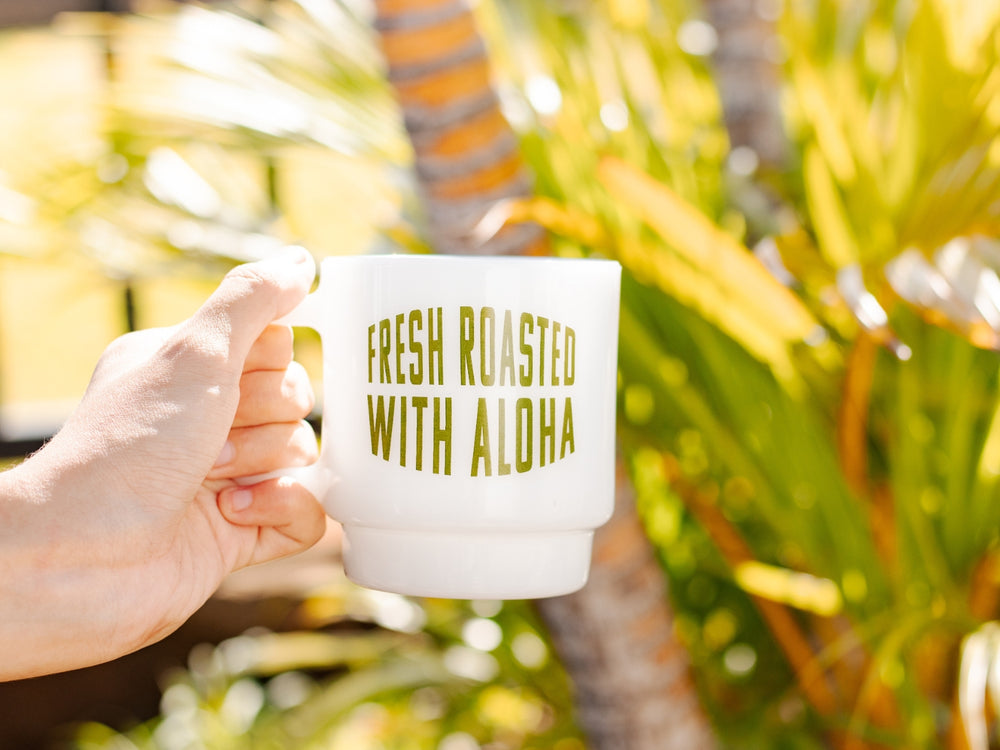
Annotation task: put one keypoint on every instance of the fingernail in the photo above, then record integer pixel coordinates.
(227, 454)
(240, 500)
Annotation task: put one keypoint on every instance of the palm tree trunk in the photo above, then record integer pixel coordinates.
(632, 675)
(466, 157)
(747, 74)
(615, 637)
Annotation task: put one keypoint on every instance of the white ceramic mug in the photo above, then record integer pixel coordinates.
(468, 438)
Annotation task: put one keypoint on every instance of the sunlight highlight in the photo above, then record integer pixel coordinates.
(800, 590)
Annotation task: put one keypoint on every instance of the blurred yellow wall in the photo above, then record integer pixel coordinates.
(57, 311)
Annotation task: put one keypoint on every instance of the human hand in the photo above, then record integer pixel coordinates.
(127, 521)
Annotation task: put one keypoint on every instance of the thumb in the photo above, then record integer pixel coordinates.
(254, 295)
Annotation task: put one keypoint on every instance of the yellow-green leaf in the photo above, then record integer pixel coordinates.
(744, 282)
(836, 239)
(823, 116)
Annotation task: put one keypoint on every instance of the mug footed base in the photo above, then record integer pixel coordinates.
(468, 565)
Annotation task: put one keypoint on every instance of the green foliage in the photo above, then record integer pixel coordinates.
(778, 450)
(894, 108)
(393, 673)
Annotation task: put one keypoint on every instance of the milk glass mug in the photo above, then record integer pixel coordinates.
(468, 437)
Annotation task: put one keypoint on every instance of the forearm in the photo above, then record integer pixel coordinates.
(58, 607)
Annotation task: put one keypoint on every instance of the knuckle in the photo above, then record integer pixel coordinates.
(196, 351)
(115, 356)
(316, 529)
(125, 342)
(134, 345)
(253, 276)
(299, 390)
(303, 443)
(311, 519)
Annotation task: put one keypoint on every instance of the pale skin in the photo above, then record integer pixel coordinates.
(124, 524)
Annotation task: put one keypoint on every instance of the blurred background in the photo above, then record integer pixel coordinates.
(805, 197)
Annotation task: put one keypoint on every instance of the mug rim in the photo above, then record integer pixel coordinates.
(467, 258)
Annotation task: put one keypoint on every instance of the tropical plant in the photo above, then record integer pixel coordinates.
(826, 421)
(371, 670)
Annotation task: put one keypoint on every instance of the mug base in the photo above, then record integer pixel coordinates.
(468, 565)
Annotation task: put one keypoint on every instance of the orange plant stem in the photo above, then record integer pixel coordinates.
(809, 674)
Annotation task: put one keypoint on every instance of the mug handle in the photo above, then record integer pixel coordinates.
(316, 477)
